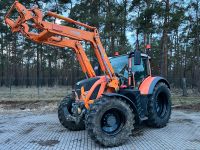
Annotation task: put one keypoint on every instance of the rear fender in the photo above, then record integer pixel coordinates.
(148, 85)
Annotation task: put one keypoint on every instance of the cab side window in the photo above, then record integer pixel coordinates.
(139, 70)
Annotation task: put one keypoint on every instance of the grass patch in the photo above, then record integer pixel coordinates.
(21, 94)
(180, 100)
(33, 93)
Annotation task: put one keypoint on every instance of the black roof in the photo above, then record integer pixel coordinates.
(142, 54)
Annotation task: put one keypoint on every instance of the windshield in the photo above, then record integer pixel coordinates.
(119, 63)
(120, 66)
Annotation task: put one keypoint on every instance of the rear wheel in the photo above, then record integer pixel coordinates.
(110, 121)
(64, 110)
(159, 106)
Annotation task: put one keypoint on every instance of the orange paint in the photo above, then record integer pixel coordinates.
(144, 87)
(85, 95)
(65, 36)
(48, 32)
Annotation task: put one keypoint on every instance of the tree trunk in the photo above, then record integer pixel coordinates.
(14, 49)
(27, 74)
(184, 85)
(197, 45)
(2, 62)
(50, 72)
(164, 42)
(38, 67)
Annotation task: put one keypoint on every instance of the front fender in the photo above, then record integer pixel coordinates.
(123, 98)
(148, 84)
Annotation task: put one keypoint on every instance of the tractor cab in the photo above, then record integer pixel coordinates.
(131, 69)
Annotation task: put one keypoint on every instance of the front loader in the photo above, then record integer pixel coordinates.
(109, 104)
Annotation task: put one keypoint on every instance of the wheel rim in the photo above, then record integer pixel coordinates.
(161, 104)
(112, 121)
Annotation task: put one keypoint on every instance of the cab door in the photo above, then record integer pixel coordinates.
(140, 71)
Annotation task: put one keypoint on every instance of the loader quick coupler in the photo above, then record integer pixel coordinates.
(78, 112)
(77, 108)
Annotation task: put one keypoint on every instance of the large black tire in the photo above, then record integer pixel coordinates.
(159, 106)
(110, 121)
(65, 109)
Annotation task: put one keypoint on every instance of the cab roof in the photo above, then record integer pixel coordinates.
(142, 54)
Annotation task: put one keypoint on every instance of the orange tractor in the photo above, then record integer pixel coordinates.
(108, 104)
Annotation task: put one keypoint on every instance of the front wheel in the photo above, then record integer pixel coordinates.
(110, 121)
(159, 106)
(64, 110)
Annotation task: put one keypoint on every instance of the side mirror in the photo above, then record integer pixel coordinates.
(137, 57)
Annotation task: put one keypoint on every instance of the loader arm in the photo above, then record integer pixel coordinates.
(62, 36)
